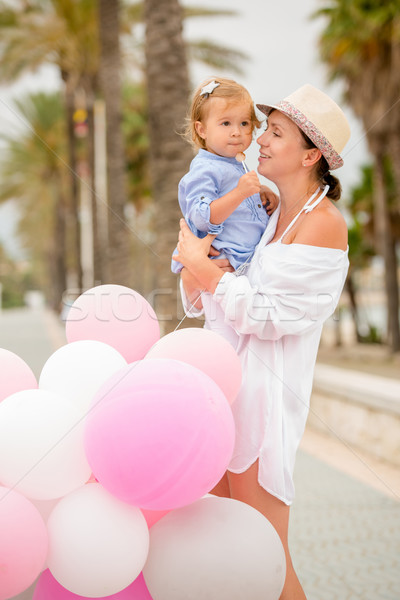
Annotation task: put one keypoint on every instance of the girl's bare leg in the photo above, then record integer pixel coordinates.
(245, 487)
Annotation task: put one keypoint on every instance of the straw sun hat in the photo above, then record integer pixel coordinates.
(319, 117)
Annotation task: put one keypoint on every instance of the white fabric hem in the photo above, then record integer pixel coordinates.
(190, 311)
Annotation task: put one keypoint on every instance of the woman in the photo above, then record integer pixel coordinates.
(278, 307)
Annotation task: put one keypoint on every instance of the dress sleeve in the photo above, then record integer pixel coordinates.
(201, 189)
(291, 298)
(190, 311)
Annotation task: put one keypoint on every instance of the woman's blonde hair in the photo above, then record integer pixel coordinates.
(233, 92)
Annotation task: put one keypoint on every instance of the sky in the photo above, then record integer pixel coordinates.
(281, 42)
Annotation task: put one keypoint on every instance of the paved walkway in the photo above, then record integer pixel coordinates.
(33, 334)
(345, 535)
(345, 521)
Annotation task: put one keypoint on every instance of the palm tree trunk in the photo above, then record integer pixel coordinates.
(74, 188)
(170, 155)
(386, 246)
(58, 256)
(351, 290)
(97, 251)
(118, 263)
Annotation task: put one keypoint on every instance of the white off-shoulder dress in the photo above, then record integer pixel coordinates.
(277, 309)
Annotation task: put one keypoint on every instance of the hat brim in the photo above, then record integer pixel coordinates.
(333, 159)
(266, 109)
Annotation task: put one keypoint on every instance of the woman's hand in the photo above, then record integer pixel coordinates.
(193, 254)
(191, 249)
(192, 285)
(224, 265)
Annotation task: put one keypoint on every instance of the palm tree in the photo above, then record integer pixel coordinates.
(119, 267)
(362, 242)
(170, 156)
(361, 45)
(64, 33)
(168, 93)
(33, 171)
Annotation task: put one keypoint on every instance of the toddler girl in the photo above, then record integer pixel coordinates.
(217, 196)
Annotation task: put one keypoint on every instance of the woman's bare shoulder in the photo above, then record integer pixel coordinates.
(325, 227)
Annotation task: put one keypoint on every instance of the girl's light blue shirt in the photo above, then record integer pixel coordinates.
(210, 177)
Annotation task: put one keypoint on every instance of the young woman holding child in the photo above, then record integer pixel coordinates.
(278, 306)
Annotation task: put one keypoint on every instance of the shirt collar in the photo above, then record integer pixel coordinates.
(212, 156)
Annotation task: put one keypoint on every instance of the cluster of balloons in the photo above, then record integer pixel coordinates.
(106, 463)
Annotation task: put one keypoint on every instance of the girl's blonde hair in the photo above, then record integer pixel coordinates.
(233, 92)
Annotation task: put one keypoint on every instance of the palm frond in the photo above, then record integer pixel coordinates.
(197, 11)
(217, 56)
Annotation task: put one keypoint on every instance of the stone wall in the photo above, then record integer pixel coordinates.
(359, 409)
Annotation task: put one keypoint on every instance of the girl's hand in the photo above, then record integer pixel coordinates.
(249, 184)
(269, 199)
(191, 249)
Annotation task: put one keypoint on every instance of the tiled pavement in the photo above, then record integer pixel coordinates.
(344, 534)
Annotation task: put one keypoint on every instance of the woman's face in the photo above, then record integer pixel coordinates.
(282, 148)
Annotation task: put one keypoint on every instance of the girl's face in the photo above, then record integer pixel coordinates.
(226, 128)
(282, 148)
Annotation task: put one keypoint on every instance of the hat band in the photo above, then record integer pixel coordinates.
(333, 159)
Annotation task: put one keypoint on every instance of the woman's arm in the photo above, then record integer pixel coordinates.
(192, 287)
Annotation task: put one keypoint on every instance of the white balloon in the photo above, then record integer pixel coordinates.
(98, 544)
(42, 455)
(77, 370)
(215, 548)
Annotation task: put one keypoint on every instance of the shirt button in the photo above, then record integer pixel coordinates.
(259, 205)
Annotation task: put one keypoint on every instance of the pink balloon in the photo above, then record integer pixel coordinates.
(160, 434)
(206, 350)
(15, 374)
(23, 543)
(116, 315)
(48, 588)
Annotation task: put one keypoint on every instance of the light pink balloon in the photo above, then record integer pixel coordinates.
(160, 434)
(116, 315)
(23, 543)
(48, 588)
(16, 375)
(206, 350)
